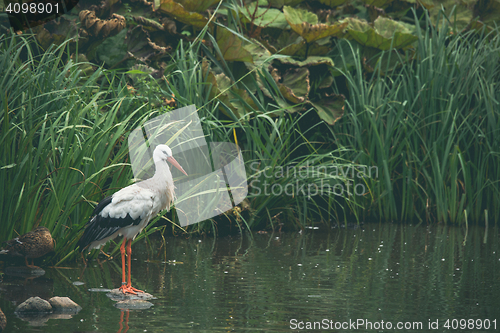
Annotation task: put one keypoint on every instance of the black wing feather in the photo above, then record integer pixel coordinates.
(100, 227)
(100, 206)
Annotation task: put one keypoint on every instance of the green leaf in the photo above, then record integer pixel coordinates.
(181, 14)
(258, 52)
(289, 43)
(387, 27)
(377, 3)
(330, 108)
(299, 16)
(382, 36)
(295, 87)
(333, 3)
(460, 13)
(225, 90)
(231, 46)
(306, 25)
(197, 6)
(264, 17)
(113, 49)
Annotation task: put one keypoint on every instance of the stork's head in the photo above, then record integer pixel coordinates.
(164, 153)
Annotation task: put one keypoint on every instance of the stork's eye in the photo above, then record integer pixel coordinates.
(164, 152)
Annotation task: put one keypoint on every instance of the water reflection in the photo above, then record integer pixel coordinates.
(271, 282)
(121, 321)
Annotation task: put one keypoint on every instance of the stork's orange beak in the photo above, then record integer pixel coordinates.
(176, 164)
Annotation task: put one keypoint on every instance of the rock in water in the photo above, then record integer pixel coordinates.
(117, 295)
(34, 305)
(64, 305)
(133, 304)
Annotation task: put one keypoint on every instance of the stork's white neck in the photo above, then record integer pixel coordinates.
(163, 183)
(162, 171)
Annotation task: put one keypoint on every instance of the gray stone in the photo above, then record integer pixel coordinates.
(133, 304)
(64, 305)
(34, 305)
(117, 295)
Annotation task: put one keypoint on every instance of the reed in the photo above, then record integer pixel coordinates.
(61, 142)
(431, 126)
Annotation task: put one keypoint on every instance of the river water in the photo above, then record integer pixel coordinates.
(375, 278)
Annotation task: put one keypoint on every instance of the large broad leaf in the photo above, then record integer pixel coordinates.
(223, 89)
(330, 108)
(182, 15)
(113, 49)
(55, 31)
(387, 32)
(289, 43)
(260, 55)
(377, 3)
(306, 25)
(263, 17)
(197, 6)
(231, 46)
(333, 3)
(459, 13)
(295, 86)
(387, 27)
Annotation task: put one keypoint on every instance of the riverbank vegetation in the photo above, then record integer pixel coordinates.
(338, 124)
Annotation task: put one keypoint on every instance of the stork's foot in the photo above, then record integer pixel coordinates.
(129, 289)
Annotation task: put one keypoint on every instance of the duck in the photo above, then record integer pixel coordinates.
(34, 244)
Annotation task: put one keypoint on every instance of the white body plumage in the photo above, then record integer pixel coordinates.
(130, 209)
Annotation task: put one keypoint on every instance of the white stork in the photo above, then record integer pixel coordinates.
(129, 210)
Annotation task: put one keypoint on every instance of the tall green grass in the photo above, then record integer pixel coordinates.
(431, 127)
(61, 140)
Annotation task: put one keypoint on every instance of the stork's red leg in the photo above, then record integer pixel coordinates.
(128, 288)
(122, 250)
